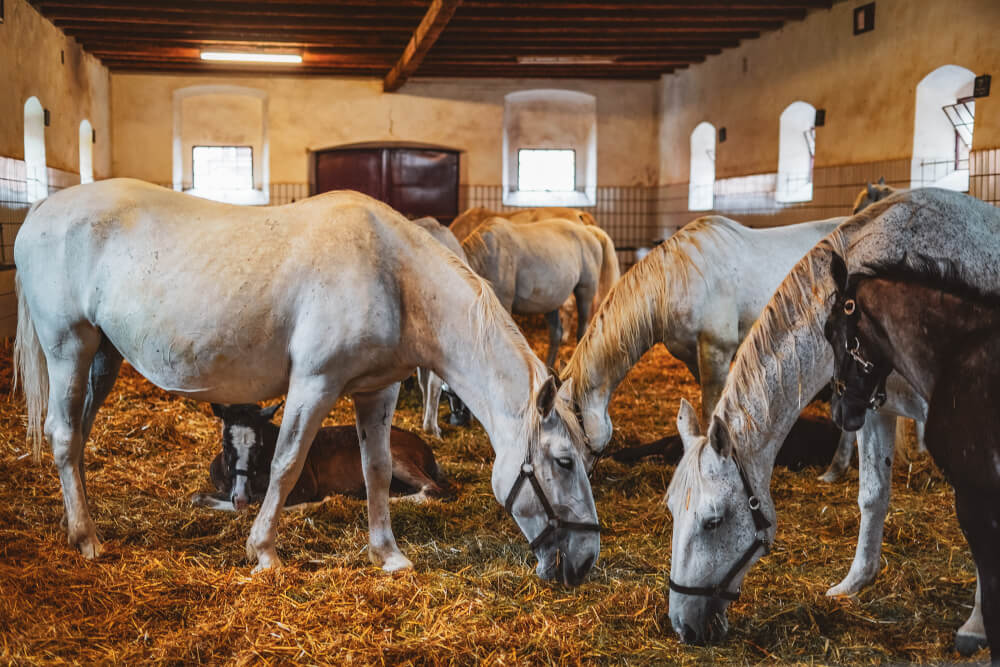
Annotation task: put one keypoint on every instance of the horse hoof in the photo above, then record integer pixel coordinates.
(841, 590)
(829, 476)
(396, 562)
(967, 645)
(90, 548)
(267, 563)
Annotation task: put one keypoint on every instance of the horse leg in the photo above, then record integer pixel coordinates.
(841, 460)
(584, 304)
(876, 447)
(555, 335)
(430, 387)
(972, 635)
(69, 366)
(373, 413)
(714, 356)
(104, 371)
(920, 427)
(213, 502)
(309, 400)
(979, 518)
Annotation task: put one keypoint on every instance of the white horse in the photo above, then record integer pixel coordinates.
(336, 294)
(535, 267)
(720, 494)
(469, 220)
(698, 293)
(430, 384)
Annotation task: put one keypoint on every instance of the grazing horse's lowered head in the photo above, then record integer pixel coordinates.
(723, 523)
(860, 368)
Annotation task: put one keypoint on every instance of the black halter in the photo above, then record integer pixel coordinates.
(878, 397)
(721, 590)
(556, 525)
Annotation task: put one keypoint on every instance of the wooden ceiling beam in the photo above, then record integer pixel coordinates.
(431, 26)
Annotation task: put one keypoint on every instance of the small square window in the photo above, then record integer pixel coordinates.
(546, 170)
(222, 168)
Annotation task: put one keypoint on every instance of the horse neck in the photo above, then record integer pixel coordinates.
(477, 349)
(631, 320)
(923, 326)
(783, 362)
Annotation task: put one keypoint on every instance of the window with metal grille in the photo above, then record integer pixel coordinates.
(546, 170)
(222, 168)
(962, 116)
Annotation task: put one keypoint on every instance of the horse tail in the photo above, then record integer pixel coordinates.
(30, 369)
(610, 271)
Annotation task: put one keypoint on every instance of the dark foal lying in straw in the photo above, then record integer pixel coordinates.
(241, 472)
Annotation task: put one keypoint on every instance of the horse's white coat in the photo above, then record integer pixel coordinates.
(785, 358)
(535, 267)
(698, 293)
(337, 294)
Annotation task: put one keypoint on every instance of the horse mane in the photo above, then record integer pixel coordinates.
(488, 318)
(633, 312)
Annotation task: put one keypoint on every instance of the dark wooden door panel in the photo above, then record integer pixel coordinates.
(414, 180)
(359, 170)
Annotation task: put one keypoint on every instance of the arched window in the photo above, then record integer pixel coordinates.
(549, 148)
(796, 149)
(702, 179)
(34, 150)
(942, 129)
(86, 152)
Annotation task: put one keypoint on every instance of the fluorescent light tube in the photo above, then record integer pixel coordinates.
(231, 56)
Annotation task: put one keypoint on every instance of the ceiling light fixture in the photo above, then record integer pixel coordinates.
(234, 56)
(566, 60)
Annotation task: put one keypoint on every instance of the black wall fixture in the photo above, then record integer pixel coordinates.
(820, 120)
(722, 134)
(864, 18)
(981, 86)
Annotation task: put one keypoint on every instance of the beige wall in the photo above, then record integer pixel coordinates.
(30, 64)
(866, 83)
(314, 113)
(222, 119)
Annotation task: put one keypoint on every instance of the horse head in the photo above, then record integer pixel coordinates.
(859, 368)
(871, 194)
(547, 491)
(723, 523)
(592, 415)
(245, 456)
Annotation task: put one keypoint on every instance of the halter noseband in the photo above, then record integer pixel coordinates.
(721, 590)
(556, 525)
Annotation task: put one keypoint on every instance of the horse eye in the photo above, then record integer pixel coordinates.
(713, 523)
(565, 462)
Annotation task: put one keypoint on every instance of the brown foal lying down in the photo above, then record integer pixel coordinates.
(241, 472)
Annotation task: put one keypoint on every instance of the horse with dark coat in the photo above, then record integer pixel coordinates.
(943, 338)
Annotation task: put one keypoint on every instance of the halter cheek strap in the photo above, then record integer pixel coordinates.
(721, 590)
(556, 525)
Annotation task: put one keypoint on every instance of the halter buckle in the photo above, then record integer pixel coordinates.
(527, 468)
(754, 503)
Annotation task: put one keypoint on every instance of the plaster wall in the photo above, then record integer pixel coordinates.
(310, 113)
(867, 84)
(72, 91)
(222, 120)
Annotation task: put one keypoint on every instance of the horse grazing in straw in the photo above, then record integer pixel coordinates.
(943, 338)
(429, 383)
(241, 472)
(698, 293)
(725, 472)
(336, 294)
(535, 267)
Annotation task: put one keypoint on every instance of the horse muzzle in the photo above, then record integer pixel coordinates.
(558, 566)
(704, 624)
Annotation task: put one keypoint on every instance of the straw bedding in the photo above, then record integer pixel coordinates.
(174, 584)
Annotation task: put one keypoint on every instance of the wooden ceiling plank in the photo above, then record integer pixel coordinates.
(430, 28)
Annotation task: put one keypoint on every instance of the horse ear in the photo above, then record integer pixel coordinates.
(554, 374)
(269, 412)
(871, 190)
(546, 398)
(838, 267)
(687, 424)
(219, 410)
(718, 435)
(881, 180)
